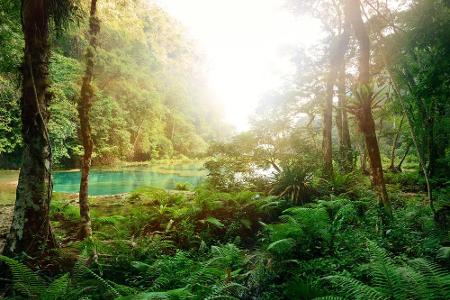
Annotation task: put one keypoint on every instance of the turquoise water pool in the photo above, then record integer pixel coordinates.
(115, 181)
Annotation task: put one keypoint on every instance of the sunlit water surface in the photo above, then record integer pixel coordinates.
(114, 181)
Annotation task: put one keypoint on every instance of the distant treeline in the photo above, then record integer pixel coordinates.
(148, 100)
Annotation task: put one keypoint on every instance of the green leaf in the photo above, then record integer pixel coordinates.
(215, 222)
(281, 246)
(247, 223)
(140, 266)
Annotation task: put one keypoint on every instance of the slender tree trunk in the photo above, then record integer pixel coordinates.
(138, 132)
(274, 165)
(345, 147)
(337, 54)
(172, 135)
(338, 121)
(432, 150)
(415, 142)
(84, 107)
(363, 159)
(399, 166)
(394, 146)
(327, 127)
(367, 126)
(364, 112)
(432, 157)
(30, 230)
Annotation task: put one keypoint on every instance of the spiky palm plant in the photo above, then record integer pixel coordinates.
(294, 183)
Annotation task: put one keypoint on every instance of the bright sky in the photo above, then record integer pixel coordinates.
(246, 43)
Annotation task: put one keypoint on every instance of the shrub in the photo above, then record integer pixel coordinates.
(294, 182)
(351, 185)
(183, 186)
(304, 232)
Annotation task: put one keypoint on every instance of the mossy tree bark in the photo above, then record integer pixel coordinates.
(30, 231)
(84, 107)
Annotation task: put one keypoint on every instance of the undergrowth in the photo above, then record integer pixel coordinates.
(208, 244)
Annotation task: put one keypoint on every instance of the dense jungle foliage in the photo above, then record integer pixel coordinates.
(339, 189)
(150, 101)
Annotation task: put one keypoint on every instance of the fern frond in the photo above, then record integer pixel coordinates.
(386, 276)
(221, 297)
(443, 253)
(282, 246)
(104, 282)
(58, 288)
(25, 281)
(436, 278)
(81, 271)
(225, 256)
(109, 220)
(123, 289)
(206, 274)
(181, 293)
(355, 289)
(415, 279)
(329, 298)
(229, 289)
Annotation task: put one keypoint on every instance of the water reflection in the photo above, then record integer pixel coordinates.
(108, 182)
(115, 181)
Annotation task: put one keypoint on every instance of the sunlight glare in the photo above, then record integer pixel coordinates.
(247, 45)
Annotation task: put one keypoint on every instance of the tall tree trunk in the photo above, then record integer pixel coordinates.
(431, 147)
(364, 112)
(84, 107)
(30, 230)
(327, 126)
(337, 54)
(399, 166)
(172, 135)
(339, 130)
(136, 138)
(394, 146)
(345, 147)
(363, 158)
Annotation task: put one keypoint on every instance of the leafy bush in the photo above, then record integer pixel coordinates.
(294, 182)
(304, 232)
(183, 186)
(242, 245)
(410, 181)
(351, 185)
(413, 232)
